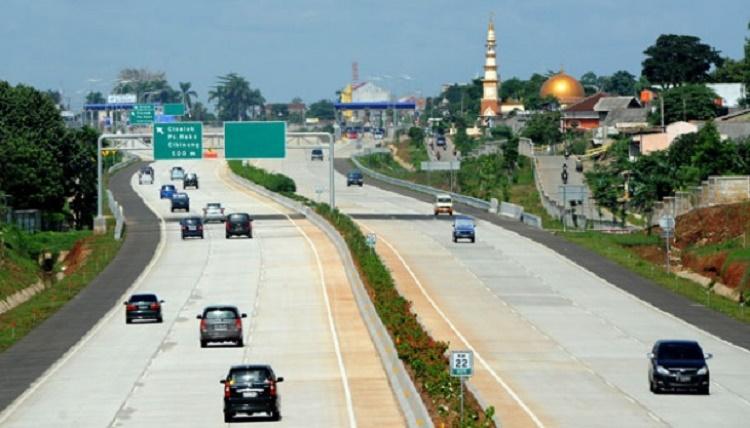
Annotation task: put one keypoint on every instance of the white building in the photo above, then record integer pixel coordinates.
(368, 92)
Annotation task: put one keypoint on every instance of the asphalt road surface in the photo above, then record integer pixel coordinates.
(555, 344)
(301, 319)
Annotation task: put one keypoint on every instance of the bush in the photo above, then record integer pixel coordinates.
(274, 182)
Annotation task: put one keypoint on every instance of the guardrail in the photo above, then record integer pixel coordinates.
(409, 400)
(117, 212)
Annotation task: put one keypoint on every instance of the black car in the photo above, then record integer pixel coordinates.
(190, 180)
(678, 365)
(354, 178)
(251, 389)
(143, 307)
(239, 224)
(180, 201)
(191, 226)
(440, 141)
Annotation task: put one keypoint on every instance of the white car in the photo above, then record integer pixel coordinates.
(443, 204)
(145, 178)
(213, 211)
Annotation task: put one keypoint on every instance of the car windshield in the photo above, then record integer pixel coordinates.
(444, 200)
(143, 298)
(317, 151)
(167, 187)
(215, 314)
(464, 222)
(680, 351)
(249, 375)
(213, 205)
(180, 196)
(191, 176)
(177, 168)
(192, 220)
(239, 217)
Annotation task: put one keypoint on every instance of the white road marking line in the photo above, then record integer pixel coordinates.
(477, 355)
(98, 326)
(331, 322)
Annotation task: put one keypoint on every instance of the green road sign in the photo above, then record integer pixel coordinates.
(246, 140)
(176, 109)
(142, 114)
(182, 140)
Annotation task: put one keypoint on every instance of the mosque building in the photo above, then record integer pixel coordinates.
(564, 88)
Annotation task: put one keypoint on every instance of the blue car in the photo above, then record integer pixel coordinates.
(167, 191)
(463, 228)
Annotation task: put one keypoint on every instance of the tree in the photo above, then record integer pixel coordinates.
(652, 179)
(79, 172)
(279, 111)
(416, 135)
(730, 71)
(543, 128)
(235, 99)
(186, 93)
(55, 96)
(322, 109)
(200, 113)
(620, 83)
(687, 102)
(95, 98)
(675, 60)
(148, 86)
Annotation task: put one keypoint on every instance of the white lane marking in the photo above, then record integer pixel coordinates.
(98, 326)
(478, 356)
(331, 323)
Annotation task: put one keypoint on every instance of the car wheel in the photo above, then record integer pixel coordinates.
(473, 240)
(454, 239)
(204, 343)
(160, 320)
(250, 235)
(201, 236)
(703, 390)
(228, 418)
(228, 235)
(128, 321)
(275, 415)
(360, 185)
(240, 343)
(171, 209)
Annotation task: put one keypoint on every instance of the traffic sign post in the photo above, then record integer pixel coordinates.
(252, 140)
(667, 224)
(173, 109)
(142, 114)
(462, 366)
(183, 140)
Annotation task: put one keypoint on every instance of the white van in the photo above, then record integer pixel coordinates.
(443, 204)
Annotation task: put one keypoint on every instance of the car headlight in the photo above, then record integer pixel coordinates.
(661, 370)
(703, 370)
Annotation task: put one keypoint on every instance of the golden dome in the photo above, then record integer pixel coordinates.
(565, 88)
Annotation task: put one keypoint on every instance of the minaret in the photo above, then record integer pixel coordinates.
(490, 106)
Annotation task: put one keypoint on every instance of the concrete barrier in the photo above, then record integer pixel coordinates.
(532, 220)
(511, 210)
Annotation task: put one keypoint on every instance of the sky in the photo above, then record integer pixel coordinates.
(290, 48)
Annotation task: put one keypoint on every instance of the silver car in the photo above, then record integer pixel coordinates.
(221, 323)
(213, 211)
(177, 173)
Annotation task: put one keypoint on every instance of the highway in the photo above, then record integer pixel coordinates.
(301, 319)
(556, 346)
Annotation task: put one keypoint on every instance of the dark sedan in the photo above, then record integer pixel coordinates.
(239, 224)
(251, 389)
(143, 307)
(678, 365)
(191, 227)
(180, 201)
(354, 178)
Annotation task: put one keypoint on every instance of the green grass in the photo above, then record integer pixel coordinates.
(18, 322)
(614, 247)
(707, 250)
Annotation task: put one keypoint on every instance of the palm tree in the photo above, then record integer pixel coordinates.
(186, 94)
(235, 99)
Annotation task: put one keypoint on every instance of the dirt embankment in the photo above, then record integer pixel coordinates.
(711, 242)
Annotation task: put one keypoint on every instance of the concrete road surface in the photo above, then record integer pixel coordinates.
(301, 319)
(556, 346)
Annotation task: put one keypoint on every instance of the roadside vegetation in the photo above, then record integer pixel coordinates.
(424, 357)
(87, 256)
